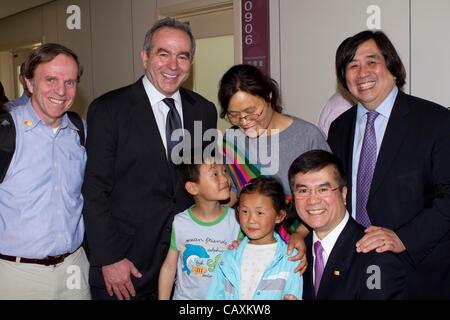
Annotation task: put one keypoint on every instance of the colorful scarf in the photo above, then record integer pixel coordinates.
(242, 171)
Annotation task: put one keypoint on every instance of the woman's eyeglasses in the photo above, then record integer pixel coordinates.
(235, 117)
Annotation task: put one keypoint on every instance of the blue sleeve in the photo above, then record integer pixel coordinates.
(294, 283)
(216, 289)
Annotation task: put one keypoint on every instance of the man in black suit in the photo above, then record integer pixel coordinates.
(131, 189)
(406, 196)
(337, 271)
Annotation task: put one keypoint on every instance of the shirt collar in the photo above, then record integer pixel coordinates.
(31, 119)
(329, 241)
(155, 96)
(384, 109)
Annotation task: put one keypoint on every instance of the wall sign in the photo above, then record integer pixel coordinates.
(255, 34)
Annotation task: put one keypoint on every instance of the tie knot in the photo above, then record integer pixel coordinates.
(169, 102)
(318, 249)
(371, 116)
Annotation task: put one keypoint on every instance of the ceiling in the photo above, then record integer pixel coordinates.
(10, 7)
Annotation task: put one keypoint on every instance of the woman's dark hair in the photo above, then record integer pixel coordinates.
(269, 187)
(347, 49)
(45, 53)
(249, 79)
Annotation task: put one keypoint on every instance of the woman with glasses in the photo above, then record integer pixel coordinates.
(262, 140)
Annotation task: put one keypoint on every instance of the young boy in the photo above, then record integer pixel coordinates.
(200, 234)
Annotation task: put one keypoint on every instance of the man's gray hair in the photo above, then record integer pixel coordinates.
(170, 23)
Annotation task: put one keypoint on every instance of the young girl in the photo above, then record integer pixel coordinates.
(259, 268)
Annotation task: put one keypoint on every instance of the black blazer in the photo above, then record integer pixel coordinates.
(347, 272)
(410, 191)
(131, 192)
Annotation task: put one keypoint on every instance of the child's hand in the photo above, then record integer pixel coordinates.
(234, 245)
(289, 297)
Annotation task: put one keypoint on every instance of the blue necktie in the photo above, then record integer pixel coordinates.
(173, 122)
(367, 161)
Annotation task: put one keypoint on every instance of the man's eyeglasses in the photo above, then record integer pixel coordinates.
(235, 117)
(322, 192)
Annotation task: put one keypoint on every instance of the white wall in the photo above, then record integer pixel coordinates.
(430, 50)
(108, 43)
(304, 35)
(310, 32)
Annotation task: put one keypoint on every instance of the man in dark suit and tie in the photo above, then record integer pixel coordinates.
(337, 271)
(396, 149)
(131, 189)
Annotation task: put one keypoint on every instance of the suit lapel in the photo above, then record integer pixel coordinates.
(395, 134)
(308, 285)
(188, 114)
(188, 123)
(338, 263)
(348, 141)
(144, 119)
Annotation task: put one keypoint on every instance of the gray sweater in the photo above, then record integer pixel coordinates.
(276, 155)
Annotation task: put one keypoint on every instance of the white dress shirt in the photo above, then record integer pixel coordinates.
(160, 109)
(380, 124)
(328, 242)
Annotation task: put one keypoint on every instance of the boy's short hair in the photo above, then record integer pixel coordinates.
(190, 167)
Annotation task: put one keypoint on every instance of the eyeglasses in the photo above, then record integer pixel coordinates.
(235, 117)
(322, 192)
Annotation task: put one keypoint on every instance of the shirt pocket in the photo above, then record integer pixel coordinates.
(74, 174)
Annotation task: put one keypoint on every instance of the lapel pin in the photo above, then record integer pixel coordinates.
(336, 273)
(28, 123)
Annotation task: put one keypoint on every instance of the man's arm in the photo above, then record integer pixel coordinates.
(297, 241)
(107, 246)
(384, 278)
(431, 223)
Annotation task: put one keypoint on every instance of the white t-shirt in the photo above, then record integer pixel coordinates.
(255, 259)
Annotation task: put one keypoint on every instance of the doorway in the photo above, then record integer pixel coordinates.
(10, 62)
(19, 56)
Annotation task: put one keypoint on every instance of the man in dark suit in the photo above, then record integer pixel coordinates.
(396, 149)
(131, 189)
(337, 271)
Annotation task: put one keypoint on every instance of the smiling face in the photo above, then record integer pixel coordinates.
(258, 217)
(213, 183)
(168, 63)
(53, 88)
(322, 213)
(367, 77)
(243, 104)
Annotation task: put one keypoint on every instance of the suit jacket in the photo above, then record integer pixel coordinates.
(410, 190)
(131, 192)
(347, 273)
